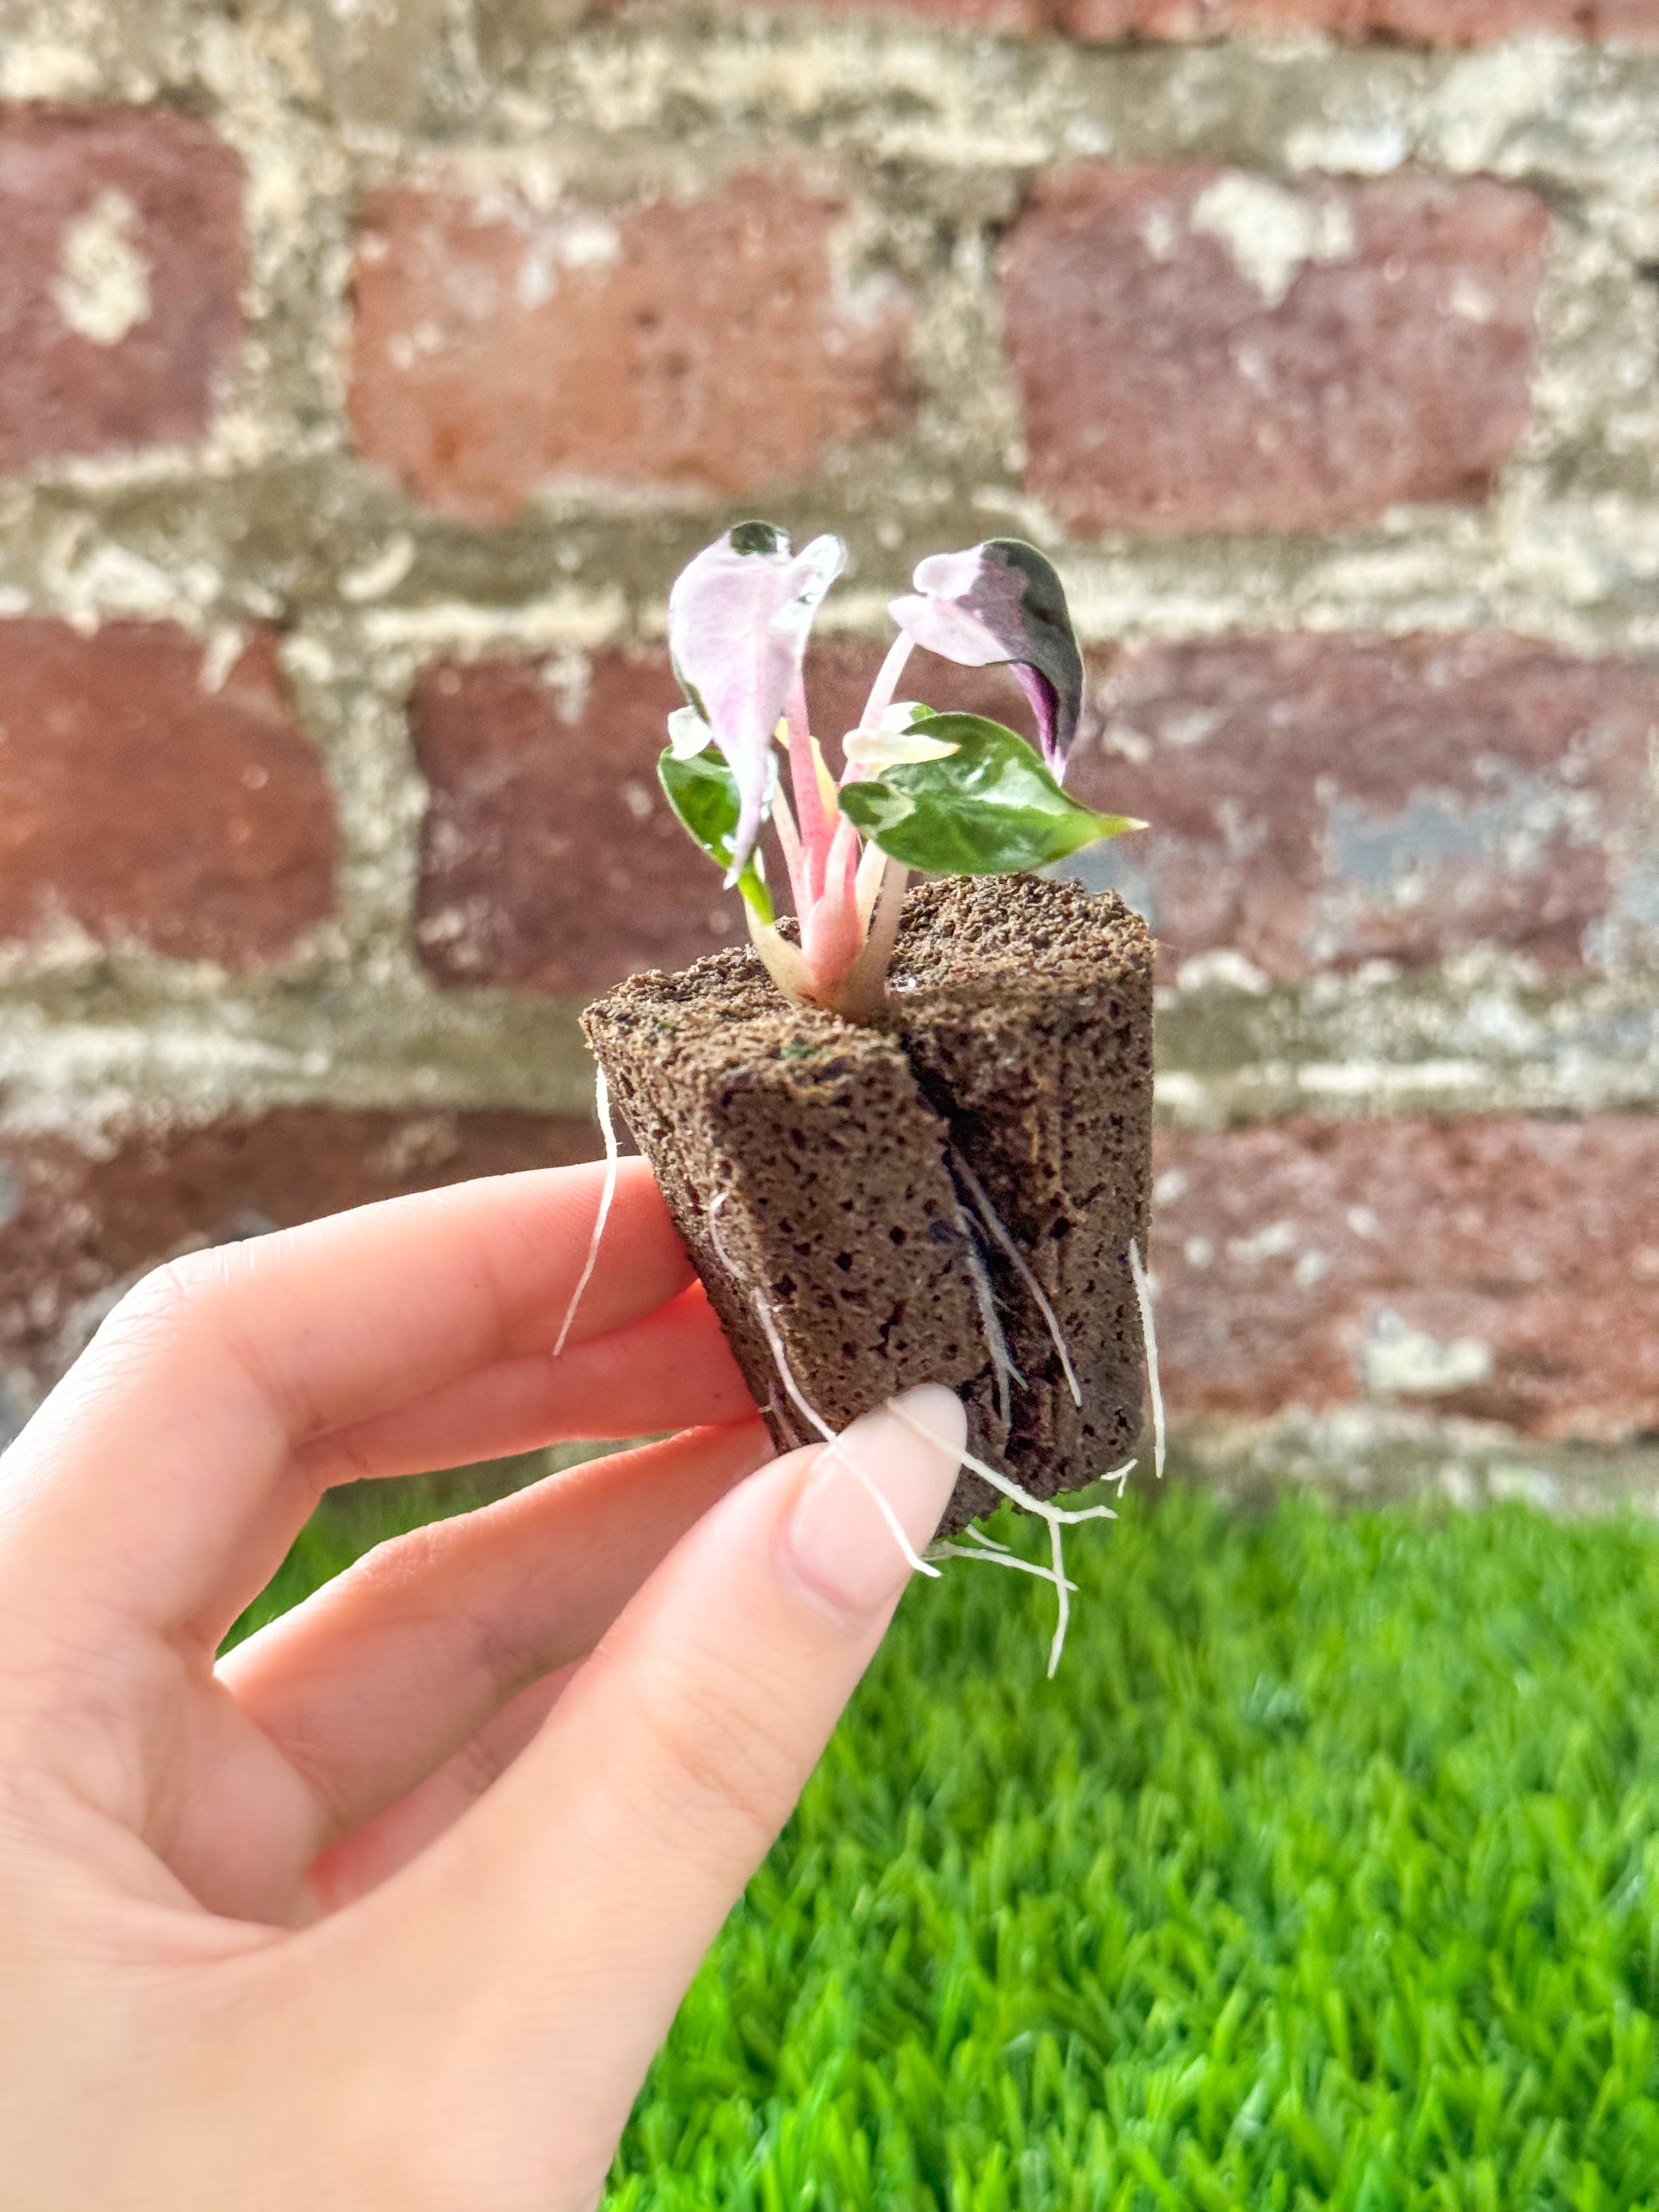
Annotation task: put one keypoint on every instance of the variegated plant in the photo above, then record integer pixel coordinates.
(955, 794)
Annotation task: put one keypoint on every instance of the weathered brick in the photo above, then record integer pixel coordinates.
(1315, 802)
(120, 272)
(77, 1226)
(703, 345)
(952, 14)
(1505, 1270)
(1416, 22)
(550, 859)
(144, 806)
(1413, 22)
(1200, 349)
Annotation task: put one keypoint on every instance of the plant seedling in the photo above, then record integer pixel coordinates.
(951, 793)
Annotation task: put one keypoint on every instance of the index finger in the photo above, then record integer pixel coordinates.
(172, 1430)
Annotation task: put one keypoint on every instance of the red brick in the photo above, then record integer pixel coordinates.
(76, 1228)
(145, 808)
(952, 15)
(121, 264)
(1319, 801)
(1413, 22)
(1416, 22)
(1384, 357)
(1294, 1262)
(699, 345)
(550, 859)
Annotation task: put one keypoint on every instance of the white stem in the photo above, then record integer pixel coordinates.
(607, 1192)
(881, 692)
(1155, 1388)
(865, 990)
(782, 961)
(873, 868)
(988, 1215)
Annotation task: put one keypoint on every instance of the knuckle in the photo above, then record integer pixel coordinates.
(168, 1299)
(723, 1768)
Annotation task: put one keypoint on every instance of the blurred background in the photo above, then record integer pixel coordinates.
(367, 370)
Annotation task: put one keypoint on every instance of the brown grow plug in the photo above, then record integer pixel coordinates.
(908, 1138)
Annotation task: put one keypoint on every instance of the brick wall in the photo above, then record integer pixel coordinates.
(364, 384)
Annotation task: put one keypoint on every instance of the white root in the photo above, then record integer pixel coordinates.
(1006, 1484)
(607, 1192)
(1063, 1596)
(989, 1543)
(996, 1558)
(1155, 1389)
(786, 1374)
(996, 1343)
(1056, 1516)
(988, 1213)
(990, 1551)
(895, 1527)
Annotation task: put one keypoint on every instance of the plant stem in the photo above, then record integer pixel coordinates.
(809, 798)
(864, 992)
(783, 822)
(882, 690)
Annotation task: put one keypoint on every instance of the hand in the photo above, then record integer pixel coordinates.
(391, 1907)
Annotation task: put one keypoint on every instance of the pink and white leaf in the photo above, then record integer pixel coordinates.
(738, 619)
(1003, 604)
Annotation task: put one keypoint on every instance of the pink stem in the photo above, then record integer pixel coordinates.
(788, 837)
(830, 935)
(809, 800)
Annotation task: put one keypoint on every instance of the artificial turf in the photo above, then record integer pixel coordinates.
(1326, 1873)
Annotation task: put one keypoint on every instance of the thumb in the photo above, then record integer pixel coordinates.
(572, 1907)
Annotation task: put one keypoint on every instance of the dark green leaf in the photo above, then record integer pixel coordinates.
(991, 809)
(703, 794)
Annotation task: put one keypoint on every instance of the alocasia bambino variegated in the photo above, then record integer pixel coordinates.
(951, 793)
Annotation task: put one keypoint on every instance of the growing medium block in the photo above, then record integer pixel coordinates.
(817, 1163)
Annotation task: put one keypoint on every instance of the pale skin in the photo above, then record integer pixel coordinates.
(391, 1907)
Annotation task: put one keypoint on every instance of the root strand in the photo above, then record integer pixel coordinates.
(1154, 1387)
(994, 1224)
(607, 1192)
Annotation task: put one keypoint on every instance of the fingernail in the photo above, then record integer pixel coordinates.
(839, 1543)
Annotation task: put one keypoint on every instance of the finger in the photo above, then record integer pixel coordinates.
(374, 1683)
(362, 1860)
(674, 1370)
(564, 1916)
(134, 1479)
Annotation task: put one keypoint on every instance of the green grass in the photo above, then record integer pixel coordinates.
(1327, 1873)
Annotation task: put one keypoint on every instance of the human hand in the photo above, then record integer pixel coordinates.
(392, 1906)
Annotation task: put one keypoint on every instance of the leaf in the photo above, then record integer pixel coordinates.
(703, 794)
(1003, 603)
(738, 618)
(688, 733)
(991, 808)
